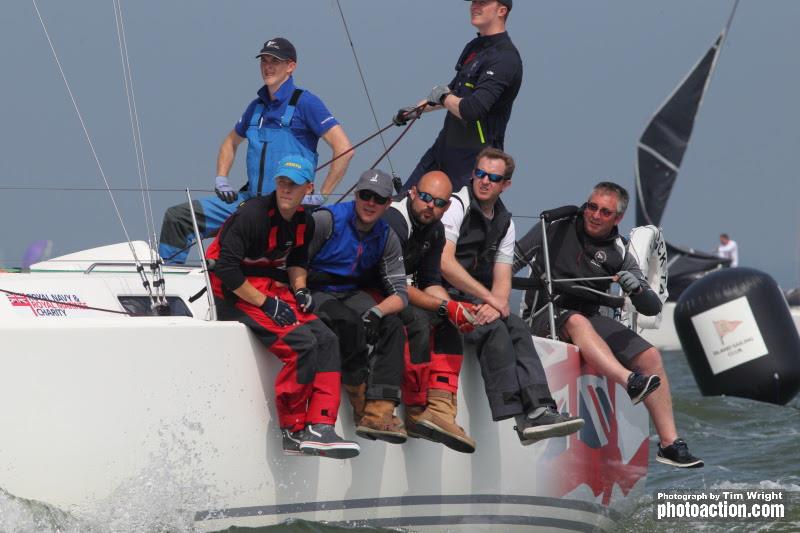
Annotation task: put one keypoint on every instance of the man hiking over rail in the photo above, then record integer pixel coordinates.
(432, 319)
(476, 262)
(284, 120)
(587, 244)
(478, 100)
(259, 278)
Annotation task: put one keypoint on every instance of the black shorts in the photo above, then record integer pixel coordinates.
(625, 343)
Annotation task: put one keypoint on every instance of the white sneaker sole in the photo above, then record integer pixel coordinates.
(694, 464)
(332, 451)
(562, 429)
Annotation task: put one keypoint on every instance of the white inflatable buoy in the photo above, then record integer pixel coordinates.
(648, 247)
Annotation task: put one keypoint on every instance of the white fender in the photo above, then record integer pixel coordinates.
(648, 247)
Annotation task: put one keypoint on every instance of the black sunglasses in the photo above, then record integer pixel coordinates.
(494, 178)
(593, 207)
(367, 195)
(428, 198)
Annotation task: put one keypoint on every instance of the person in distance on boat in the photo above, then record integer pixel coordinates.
(476, 263)
(259, 278)
(588, 244)
(285, 118)
(728, 249)
(430, 382)
(359, 283)
(478, 100)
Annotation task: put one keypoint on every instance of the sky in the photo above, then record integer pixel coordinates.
(594, 73)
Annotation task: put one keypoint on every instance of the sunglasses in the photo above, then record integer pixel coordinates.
(494, 178)
(593, 207)
(428, 198)
(367, 195)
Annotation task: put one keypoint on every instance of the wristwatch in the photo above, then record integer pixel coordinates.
(442, 310)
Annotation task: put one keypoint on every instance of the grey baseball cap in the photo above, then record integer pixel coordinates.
(376, 181)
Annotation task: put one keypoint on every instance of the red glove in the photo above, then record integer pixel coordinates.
(461, 315)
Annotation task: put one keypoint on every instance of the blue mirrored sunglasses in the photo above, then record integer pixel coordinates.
(428, 198)
(494, 178)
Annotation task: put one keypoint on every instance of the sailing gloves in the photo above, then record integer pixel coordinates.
(629, 283)
(461, 315)
(438, 94)
(371, 319)
(224, 190)
(279, 311)
(405, 114)
(304, 300)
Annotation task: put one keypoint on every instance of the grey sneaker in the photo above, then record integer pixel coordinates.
(291, 441)
(321, 439)
(677, 454)
(549, 424)
(640, 386)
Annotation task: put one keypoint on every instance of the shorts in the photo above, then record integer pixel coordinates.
(625, 343)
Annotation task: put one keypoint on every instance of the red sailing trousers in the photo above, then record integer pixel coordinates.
(307, 388)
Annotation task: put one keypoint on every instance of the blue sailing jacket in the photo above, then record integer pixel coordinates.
(344, 254)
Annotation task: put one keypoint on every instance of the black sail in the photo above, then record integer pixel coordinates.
(663, 143)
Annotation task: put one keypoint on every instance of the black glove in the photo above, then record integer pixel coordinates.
(304, 300)
(404, 115)
(279, 311)
(438, 94)
(372, 324)
(629, 283)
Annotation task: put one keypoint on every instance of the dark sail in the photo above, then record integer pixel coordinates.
(664, 141)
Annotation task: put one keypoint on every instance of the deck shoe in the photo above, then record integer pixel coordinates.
(379, 423)
(321, 439)
(677, 454)
(292, 441)
(357, 396)
(548, 424)
(640, 386)
(413, 412)
(439, 419)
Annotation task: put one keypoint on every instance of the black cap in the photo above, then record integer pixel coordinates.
(280, 48)
(508, 3)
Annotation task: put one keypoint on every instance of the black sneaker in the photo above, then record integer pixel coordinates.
(291, 441)
(677, 454)
(549, 424)
(321, 439)
(640, 386)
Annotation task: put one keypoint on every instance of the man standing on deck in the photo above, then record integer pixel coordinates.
(728, 249)
(259, 278)
(476, 262)
(284, 120)
(359, 284)
(588, 245)
(430, 382)
(478, 100)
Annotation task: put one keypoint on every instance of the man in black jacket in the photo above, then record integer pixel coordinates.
(430, 381)
(587, 244)
(478, 100)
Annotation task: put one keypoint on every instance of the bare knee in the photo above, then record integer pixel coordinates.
(649, 361)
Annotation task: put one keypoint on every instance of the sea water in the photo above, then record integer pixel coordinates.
(745, 444)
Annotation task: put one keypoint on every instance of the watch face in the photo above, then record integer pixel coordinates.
(442, 311)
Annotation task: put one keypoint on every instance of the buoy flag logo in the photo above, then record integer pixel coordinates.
(724, 327)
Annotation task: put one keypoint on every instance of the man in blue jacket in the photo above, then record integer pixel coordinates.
(283, 121)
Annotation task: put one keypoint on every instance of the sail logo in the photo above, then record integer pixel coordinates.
(725, 327)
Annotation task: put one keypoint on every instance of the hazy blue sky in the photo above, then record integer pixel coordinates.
(595, 71)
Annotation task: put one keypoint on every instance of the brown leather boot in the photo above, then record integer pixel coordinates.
(439, 419)
(357, 396)
(379, 423)
(413, 429)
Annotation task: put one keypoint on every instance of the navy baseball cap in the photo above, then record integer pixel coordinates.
(298, 169)
(508, 3)
(279, 48)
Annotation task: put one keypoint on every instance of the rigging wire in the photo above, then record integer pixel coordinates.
(364, 83)
(139, 268)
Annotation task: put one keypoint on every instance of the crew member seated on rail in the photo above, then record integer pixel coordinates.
(358, 281)
(432, 319)
(588, 245)
(476, 262)
(259, 278)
